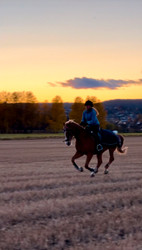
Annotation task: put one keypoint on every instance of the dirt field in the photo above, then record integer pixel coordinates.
(46, 204)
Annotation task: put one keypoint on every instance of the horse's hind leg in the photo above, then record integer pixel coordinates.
(77, 155)
(111, 159)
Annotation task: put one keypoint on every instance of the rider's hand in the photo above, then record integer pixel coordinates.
(87, 128)
(83, 124)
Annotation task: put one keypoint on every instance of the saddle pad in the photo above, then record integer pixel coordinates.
(108, 137)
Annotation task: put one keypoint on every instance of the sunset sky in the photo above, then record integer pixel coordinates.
(71, 48)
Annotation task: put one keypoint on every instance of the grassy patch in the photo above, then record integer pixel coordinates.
(131, 134)
(44, 136)
(29, 136)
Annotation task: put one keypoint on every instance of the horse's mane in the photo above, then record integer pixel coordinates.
(73, 123)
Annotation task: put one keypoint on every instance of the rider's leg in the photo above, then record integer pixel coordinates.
(94, 130)
(98, 137)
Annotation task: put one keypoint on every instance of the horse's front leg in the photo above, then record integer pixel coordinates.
(88, 159)
(77, 155)
(99, 157)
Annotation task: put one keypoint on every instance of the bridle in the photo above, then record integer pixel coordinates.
(71, 129)
(68, 136)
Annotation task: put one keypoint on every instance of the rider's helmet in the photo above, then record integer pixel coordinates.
(89, 103)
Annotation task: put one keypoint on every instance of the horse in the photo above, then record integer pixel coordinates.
(86, 145)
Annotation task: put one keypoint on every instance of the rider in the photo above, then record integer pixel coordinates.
(91, 122)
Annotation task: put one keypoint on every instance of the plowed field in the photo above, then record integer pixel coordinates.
(46, 204)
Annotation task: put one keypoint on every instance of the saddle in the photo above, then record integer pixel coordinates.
(108, 137)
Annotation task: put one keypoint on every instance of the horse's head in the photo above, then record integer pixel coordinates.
(68, 131)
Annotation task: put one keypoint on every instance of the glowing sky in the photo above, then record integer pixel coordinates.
(71, 48)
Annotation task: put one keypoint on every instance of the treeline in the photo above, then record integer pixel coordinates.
(21, 113)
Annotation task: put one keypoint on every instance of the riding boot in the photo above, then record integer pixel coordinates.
(99, 145)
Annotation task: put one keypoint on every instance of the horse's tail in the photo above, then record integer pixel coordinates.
(119, 148)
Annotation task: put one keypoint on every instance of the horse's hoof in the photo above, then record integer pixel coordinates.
(106, 171)
(81, 169)
(95, 170)
(92, 174)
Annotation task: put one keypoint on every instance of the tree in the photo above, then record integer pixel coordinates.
(18, 112)
(30, 98)
(44, 116)
(57, 115)
(4, 97)
(5, 117)
(17, 97)
(102, 112)
(30, 116)
(77, 109)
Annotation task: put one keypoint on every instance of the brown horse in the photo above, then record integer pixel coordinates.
(86, 145)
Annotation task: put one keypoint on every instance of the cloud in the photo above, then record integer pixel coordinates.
(52, 84)
(91, 83)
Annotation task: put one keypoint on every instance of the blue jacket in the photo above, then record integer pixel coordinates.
(90, 117)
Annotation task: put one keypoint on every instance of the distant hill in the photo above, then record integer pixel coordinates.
(126, 115)
(130, 104)
(124, 103)
(134, 106)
